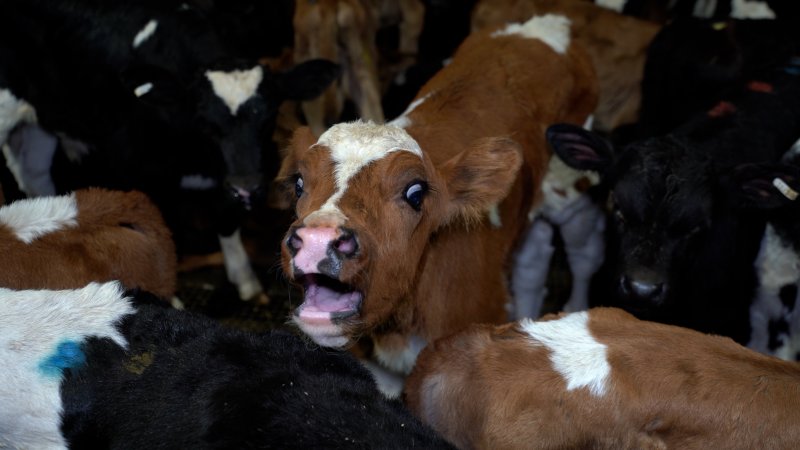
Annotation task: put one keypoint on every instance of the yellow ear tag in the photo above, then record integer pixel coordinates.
(787, 192)
(718, 26)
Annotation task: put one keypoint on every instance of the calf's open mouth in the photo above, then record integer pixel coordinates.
(327, 300)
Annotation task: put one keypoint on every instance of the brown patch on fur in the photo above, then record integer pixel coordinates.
(670, 387)
(616, 43)
(120, 236)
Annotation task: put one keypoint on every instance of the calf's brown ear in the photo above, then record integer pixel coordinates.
(480, 177)
(281, 193)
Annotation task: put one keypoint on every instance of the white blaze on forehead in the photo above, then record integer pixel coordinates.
(575, 353)
(235, 87)
(749, 9)
(145, 33)
(34, 323)
(32, 218)
(356, 144)
(551, 29)
(402, 121)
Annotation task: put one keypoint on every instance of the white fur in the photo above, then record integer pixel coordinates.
(400, 361)
(13, 111)
(238, 268)
(353, 146)
(777, 265)
(748, 9)
(389, 383)
(145, 33)
(575, 353)
(402, 121)
(32, 218)
(235, 87)
(32, 325)
(616, 5)
(551, 29)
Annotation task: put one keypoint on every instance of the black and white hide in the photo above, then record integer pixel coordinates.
(94, 368)
(148, 97)
(680, 249)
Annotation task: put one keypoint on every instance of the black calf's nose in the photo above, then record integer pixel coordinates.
(643, 289)
(346, 244)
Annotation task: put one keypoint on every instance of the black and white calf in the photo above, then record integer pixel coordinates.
(92, 368)
(773, 190)
(680, 248)
(158, 100)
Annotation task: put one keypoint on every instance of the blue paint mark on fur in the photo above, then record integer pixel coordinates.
(68, 355)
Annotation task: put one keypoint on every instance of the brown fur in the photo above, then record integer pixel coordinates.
(616, 43)
(344, 31)
(433, 272)
(670, 387)
(119, 236)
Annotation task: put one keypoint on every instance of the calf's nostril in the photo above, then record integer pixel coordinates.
(346, 244)
(295, 243)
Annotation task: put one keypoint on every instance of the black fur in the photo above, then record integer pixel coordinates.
(188, 382)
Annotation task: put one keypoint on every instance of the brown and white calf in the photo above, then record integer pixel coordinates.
(404, 230)
(66, 242)
(616, 43)
(344, 31)
(603, 379)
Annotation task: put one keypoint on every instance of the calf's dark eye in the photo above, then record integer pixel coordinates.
(298, 187)
(414, 194)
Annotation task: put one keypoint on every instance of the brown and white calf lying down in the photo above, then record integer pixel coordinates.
(65, 242)
(603, 379)
(404, 230)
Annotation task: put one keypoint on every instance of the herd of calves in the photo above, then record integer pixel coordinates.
(422, 245)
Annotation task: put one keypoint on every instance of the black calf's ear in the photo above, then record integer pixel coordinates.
(579, 148)
(308, 80)
(767, 186)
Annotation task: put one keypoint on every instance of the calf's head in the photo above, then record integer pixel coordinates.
(370, 203)
(663, 196)
(238, 109)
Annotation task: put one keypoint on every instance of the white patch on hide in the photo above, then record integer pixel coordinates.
(402, 121)
(551, 29)
(13, 111)
(403, 360)
(32, 218)
(235, 87)
(32, 326)
(616, 5)
(574, 352)
(748, 9)
(389, 383)
(353, 146)
(145, 33)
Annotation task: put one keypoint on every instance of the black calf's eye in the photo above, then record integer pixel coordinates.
(414, 194)
(298, 187)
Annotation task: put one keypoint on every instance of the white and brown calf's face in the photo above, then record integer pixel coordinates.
(367, 201)
(365, 210)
